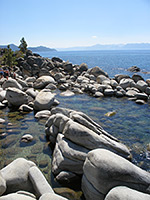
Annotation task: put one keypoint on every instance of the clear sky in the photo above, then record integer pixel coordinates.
(68, 23)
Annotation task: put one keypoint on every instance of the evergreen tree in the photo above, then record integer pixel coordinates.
(9, 59)
(23, 45)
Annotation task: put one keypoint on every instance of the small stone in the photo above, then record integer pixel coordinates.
(27, 138)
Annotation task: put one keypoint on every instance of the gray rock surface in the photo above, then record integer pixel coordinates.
(42, 81)
(39, 182)
(45, 100)
(16, 97)
(125, 193)
(11, 83)
(16, 175)
(105, 170)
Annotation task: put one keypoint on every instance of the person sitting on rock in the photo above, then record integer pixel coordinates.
(1, 73)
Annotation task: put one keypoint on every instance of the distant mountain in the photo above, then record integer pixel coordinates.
(40, 48)
(34, 49)
(130, 46)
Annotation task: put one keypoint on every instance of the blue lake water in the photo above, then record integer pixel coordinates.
(130, 124)
(113, 62)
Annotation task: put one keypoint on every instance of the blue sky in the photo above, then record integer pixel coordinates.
(68, 23)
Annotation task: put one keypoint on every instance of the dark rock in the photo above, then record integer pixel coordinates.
(56, 59)
(134, 69)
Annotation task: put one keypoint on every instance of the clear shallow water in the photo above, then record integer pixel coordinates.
(113, 62)
(131, 124)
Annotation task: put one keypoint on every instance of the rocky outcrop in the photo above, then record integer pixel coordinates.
(74, 134)
(104, 170)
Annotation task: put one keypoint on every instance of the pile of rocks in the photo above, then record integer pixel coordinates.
(83, 149)
(22, 180)
(37, 73)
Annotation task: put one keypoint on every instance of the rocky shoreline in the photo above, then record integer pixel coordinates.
(82, 150)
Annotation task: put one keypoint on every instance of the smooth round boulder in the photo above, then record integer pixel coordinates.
(124, 193)
(43, 114)
(96, 71)
(141, 85)
(43, 81)
(16, 97)
(105, 170)
(16, 175)
(45, 100)
(48, 196)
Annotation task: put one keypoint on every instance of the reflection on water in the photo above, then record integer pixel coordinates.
(130, 124)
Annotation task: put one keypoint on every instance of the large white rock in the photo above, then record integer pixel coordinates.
(31, 92)
(87, 138)
(126, 82)
(105, 170)
(11, 83)
(125, 193)
(39, 182)
(141, 85)
(16, 175)
(45, 100)
(42, 81)
(66, 154)
(16, 97)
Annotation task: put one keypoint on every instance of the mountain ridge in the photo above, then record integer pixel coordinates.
(34, 49)
(128, 46)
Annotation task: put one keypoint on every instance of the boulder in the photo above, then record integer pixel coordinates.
(109, 92)
(118, 77)
(148, 82)
(2, 184)
(43, 114)
(113, 83)
(83, 67)
(16, 97)
(39, 182)
(142, 96)
(11, 83)
(134, 69)
(104, 170)
(141, 85)
(43, 81)
(27, 138)
(16, 175)
(51, 86)
(126, 82)
(30, 79)
(102, 78)
(49, 196)
(32, 92)
(87, 138)
(140, 101)
(137, 77)
(124, 193)
(25, 108)
(131, 93)
(96, 71)
(67, 93)
(68, 156)
(2, 121)
(45, 100)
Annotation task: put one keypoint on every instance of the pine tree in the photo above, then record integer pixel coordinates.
(23, 45)
(9, 59)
